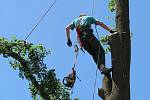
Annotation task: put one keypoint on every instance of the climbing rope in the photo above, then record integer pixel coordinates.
(95, 80)
(76, 50)
(92, 12)
(97, 66)
(70, 79)
(50, 7)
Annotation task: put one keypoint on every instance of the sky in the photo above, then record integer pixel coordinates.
(18, 17)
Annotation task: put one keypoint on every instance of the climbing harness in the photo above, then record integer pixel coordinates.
(50, 7)
(70, 79)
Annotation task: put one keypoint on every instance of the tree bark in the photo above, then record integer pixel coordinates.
(120, 54)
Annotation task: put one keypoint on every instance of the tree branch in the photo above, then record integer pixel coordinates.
(30, 77)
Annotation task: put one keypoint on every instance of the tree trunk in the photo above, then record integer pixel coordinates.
(121, 55)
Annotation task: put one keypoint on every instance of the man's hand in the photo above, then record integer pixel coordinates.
(111, 31)
(69, 43)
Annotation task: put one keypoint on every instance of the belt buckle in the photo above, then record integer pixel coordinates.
(84, 34)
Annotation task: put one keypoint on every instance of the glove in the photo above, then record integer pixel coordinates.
(111, 31)
(69, 43)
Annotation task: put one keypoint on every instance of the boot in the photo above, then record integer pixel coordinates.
(101, 93)
(106, 70)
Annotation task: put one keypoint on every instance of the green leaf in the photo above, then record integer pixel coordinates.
(112, 5)
(29, 60)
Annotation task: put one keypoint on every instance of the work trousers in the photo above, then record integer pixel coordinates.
(92, 45)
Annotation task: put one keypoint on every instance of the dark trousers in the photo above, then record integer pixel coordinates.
(92, 45)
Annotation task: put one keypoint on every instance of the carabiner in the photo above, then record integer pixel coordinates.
(76, 49)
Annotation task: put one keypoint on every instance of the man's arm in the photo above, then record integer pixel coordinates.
(68, 31)
(104, 26)
(69, 43)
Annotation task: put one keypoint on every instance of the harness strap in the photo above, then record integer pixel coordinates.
(79, 33)
(91, 38)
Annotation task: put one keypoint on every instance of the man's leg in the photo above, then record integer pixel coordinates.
(98, 55)
(94, 48)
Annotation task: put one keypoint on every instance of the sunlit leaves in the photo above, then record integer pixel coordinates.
(76, 99)
(105, 42)
(112, 5)
(28, 59)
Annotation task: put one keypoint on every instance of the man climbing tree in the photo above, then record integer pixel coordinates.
(88, 41)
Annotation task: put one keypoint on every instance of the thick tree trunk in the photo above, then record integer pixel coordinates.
(121, 68)
(121, 55)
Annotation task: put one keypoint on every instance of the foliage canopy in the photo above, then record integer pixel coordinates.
(28, 58)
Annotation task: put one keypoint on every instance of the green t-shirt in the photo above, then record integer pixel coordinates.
(82, 21)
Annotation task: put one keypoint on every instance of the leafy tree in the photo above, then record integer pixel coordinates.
(28, 58)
